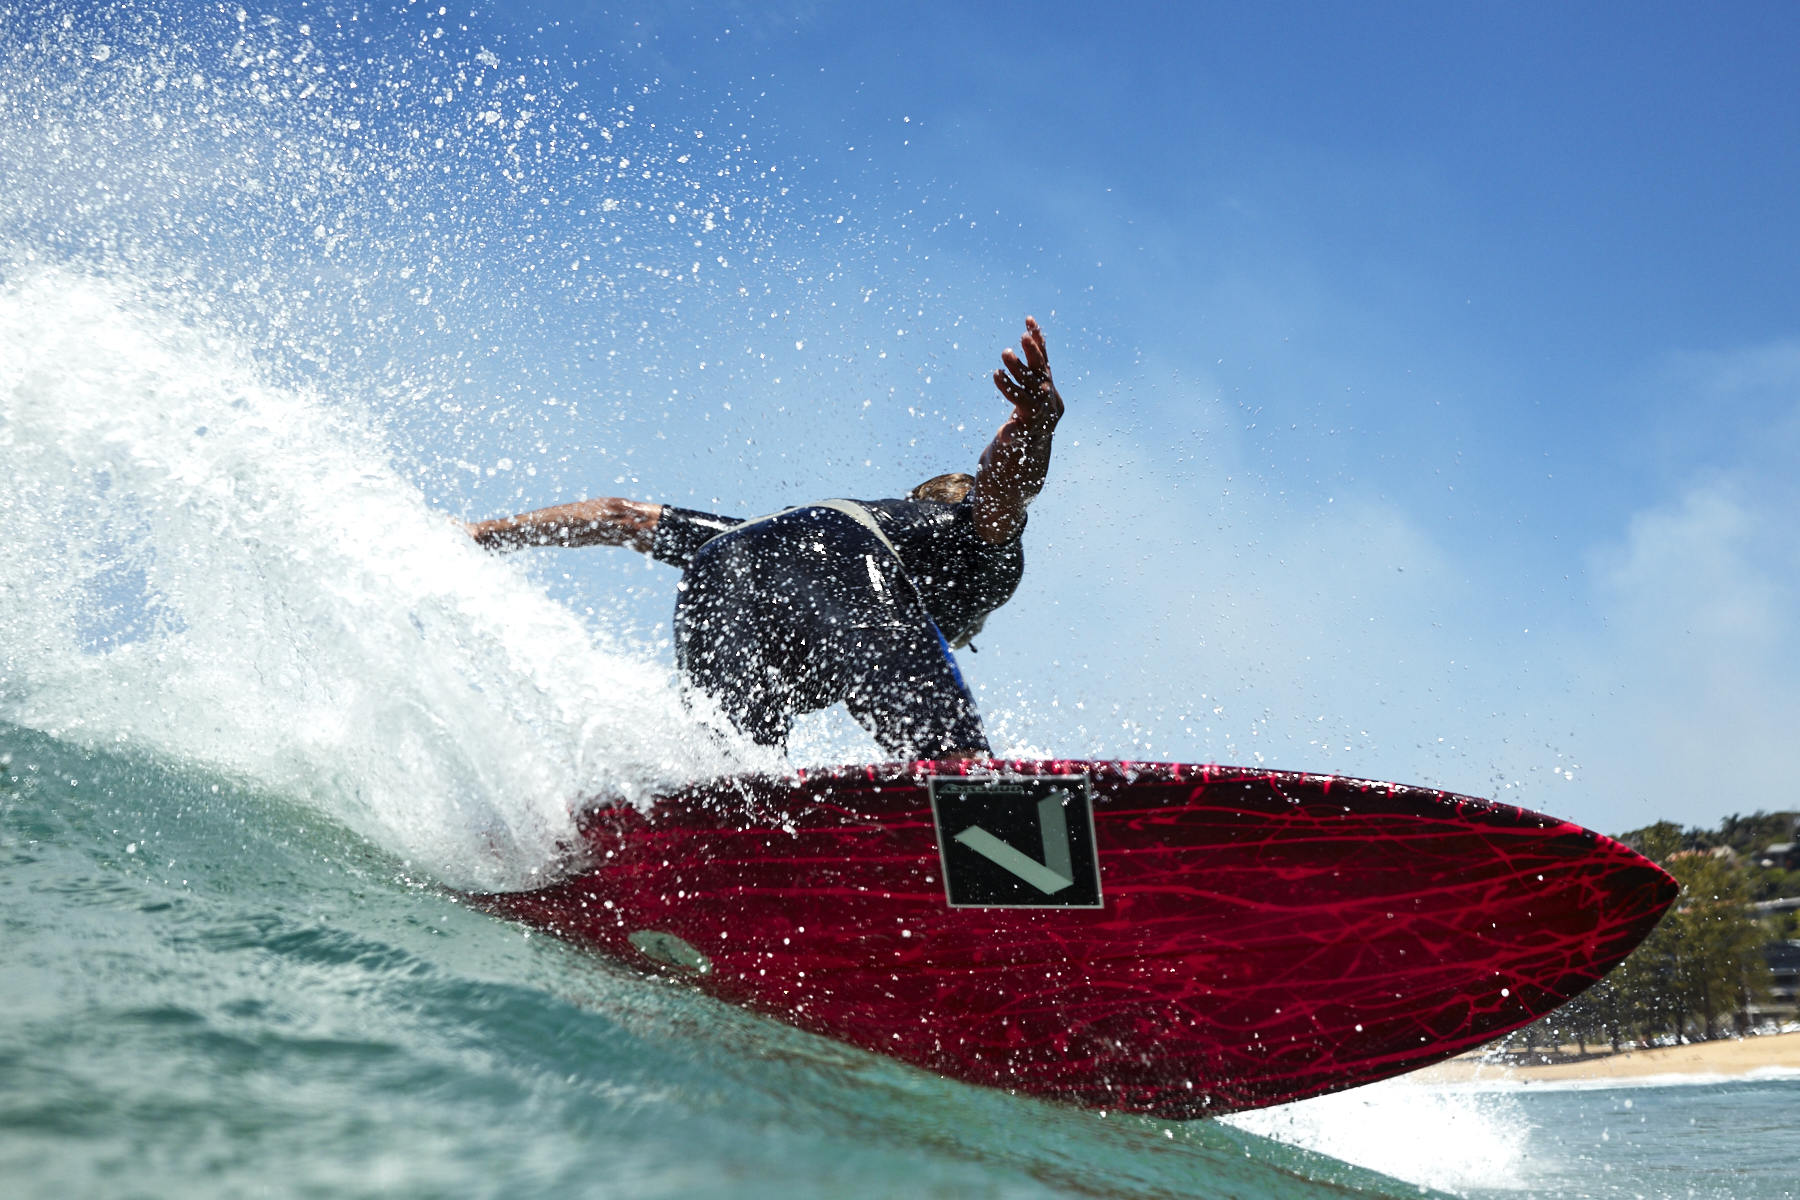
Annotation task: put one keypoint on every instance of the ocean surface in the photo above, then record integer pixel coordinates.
(208, 988)
(274, 297)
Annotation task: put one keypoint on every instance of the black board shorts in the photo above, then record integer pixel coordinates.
(798, 611)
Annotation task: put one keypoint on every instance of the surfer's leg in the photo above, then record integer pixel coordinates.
(732, 685)
(913, 699)
(723, 620)
(903, 683)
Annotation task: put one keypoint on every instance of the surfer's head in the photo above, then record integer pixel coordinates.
(945, 489)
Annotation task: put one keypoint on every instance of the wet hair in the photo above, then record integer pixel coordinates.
(945, 489)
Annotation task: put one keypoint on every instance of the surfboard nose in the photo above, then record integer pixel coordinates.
(1640, 889)
(1594, 906)
(1331, 932)
(1577, 905)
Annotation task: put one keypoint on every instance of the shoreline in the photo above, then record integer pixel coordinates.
(1724, 1059)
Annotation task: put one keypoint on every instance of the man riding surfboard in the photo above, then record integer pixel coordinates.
(841, 600)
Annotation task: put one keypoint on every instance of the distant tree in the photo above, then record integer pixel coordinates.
(1717, 941)
(1784, 926)
(1703, 964)
(1609, 1011)
(1704, 961)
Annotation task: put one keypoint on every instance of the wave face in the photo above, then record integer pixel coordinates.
(208, 989)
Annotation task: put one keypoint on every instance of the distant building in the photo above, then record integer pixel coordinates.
(1784, 994)
(1785, 855)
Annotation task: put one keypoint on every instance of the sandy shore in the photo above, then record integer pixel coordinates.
(1735, 1057)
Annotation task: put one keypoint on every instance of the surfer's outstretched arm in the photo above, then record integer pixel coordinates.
(1014, 464)
(607, 521)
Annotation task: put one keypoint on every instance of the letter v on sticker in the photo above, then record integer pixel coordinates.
(1017, 842)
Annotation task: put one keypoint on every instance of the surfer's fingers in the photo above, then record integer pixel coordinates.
(1031, 377)
(1020, 371)
(1036, 352)
(1012, 391)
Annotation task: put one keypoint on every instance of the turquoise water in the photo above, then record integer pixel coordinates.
(210, 990)
(219, 993)
(262, 708)
(1655, 1139)
(1722, 1141)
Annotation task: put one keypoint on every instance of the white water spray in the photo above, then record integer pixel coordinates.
(1449, 1139)
(230, 572)
(210, 559)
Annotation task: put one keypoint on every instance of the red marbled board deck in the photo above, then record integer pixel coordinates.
(1261, 936)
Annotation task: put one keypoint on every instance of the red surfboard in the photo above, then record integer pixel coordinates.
(1177, 940)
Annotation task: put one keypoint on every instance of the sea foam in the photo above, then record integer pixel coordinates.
(1448, 1139)
(222, 570)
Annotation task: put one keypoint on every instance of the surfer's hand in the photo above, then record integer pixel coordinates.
(1030, 388)
(486, 535)
(489, 535)
(1014, 464)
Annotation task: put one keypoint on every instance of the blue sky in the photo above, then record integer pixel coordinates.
(1433, 371)
(1433, 367)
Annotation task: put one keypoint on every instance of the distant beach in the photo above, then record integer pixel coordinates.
(1731, 1058)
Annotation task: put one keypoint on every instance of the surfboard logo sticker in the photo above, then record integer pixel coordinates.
(1016, 843)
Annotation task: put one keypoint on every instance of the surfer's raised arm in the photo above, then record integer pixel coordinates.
(606, 521)
(1014, 464)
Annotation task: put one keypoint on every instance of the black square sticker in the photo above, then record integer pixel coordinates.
(1016, 843)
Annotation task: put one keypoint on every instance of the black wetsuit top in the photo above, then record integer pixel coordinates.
(960, 577)
(788, 614)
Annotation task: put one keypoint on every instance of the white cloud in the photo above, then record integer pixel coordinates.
(1689, 693)
(1191, 611)
(1169, 581)
(1700, 710)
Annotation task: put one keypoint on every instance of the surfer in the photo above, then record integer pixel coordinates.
(858, 601)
